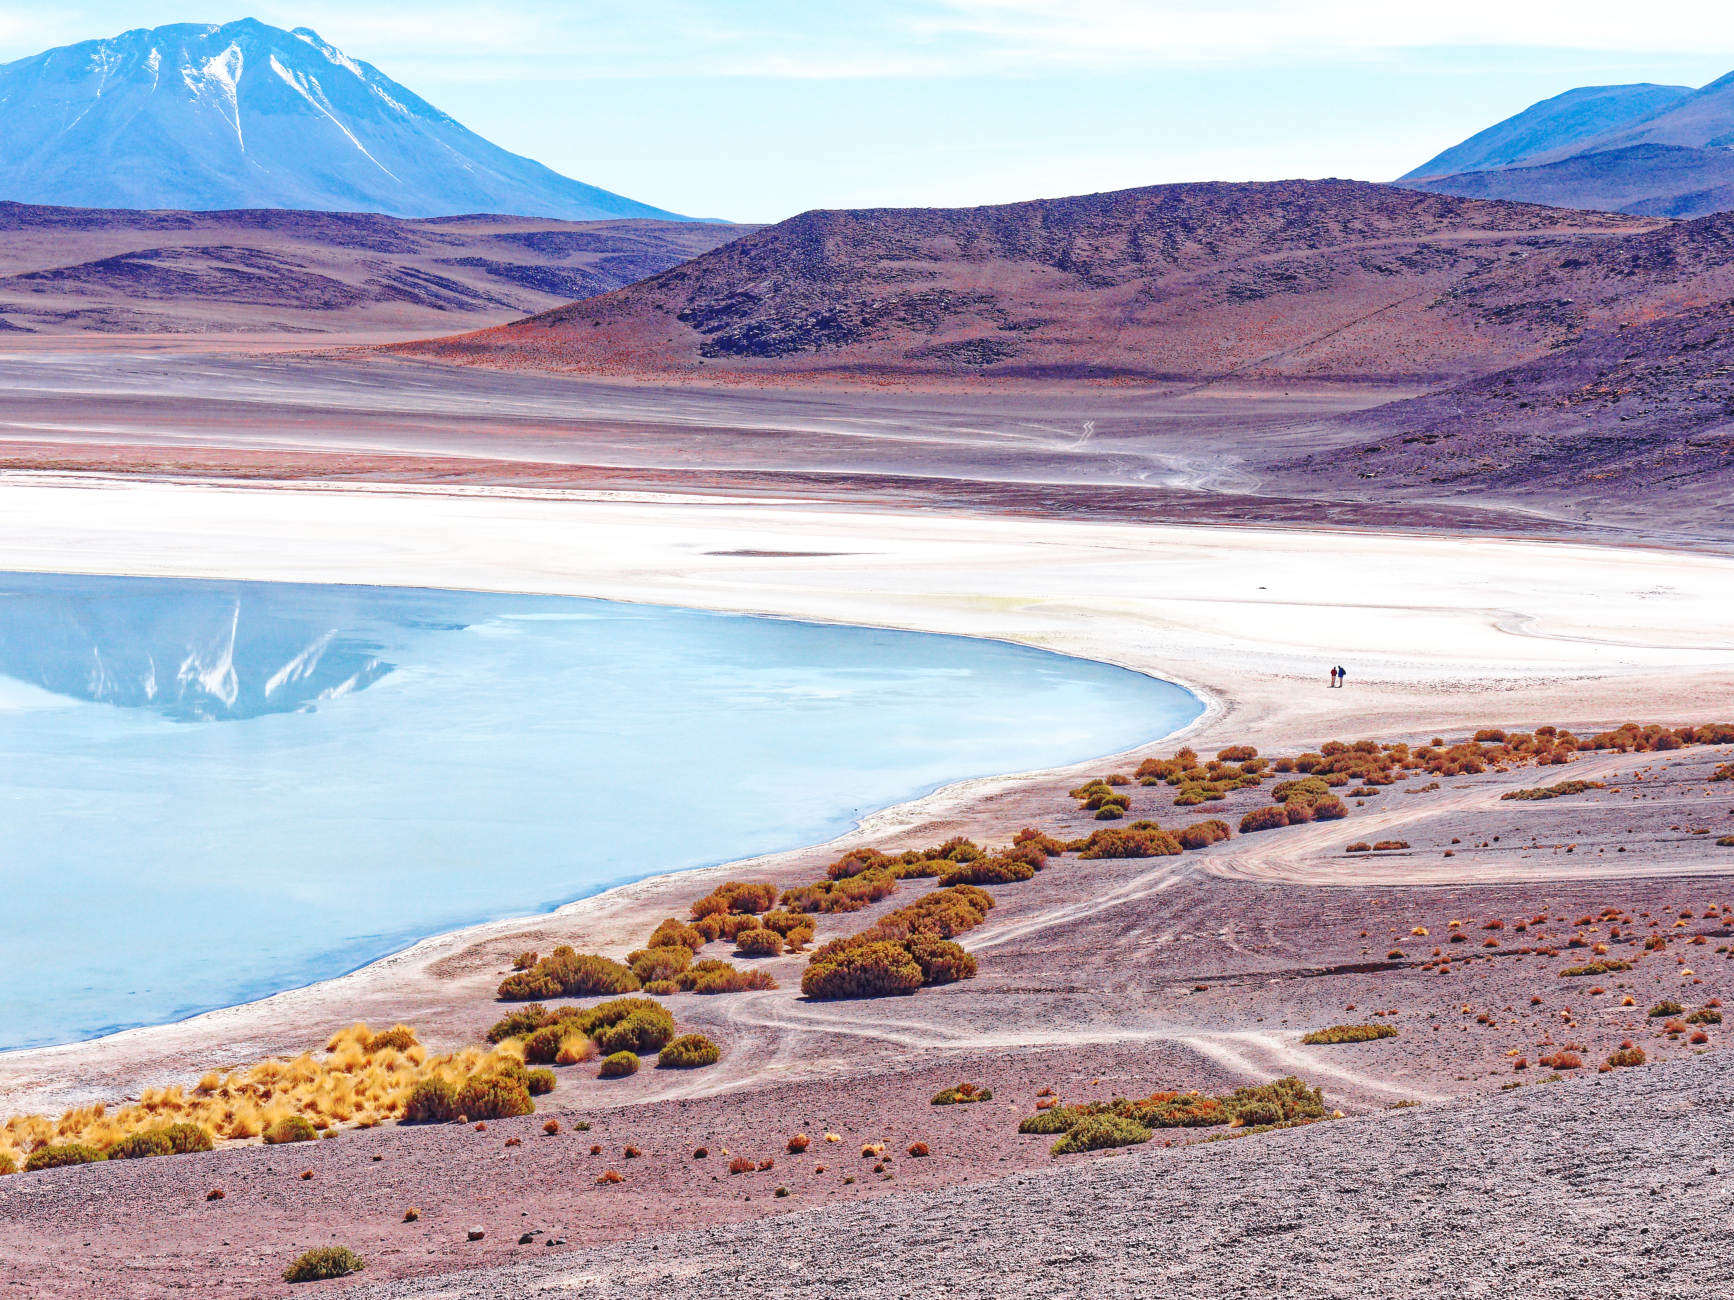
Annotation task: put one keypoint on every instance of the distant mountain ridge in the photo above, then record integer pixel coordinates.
(1653, 150)
(1563, 122)
(246, 115)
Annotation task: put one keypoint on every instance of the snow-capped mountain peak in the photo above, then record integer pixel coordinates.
(246, 115)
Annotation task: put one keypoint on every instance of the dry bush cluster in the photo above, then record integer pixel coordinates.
(363, 1079)
(1089, 1126)
(1349, 1034)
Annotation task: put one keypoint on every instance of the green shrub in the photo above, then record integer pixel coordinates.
(1098, 1132)
(7, 1164)
(962, 1094)
(1596, 968)
(873, 970)
(322, 1263)
(688, 1052)
(1281, 1101)
(291, 1128)
(540, 1082)
(1705, 1016)
(618, 1065)
(1553, 791)
(1057, 1119)
(1626, 1057)
(641, 1032)
(59, 1155)
(1349, 1034)
(139, 1146)
(1666, 1007)
(495, 1093)
(516, 1024)
(431, 1101)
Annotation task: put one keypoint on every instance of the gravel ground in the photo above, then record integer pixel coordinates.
(1613, 1184)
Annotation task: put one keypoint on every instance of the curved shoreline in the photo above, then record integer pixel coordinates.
(1170, 602)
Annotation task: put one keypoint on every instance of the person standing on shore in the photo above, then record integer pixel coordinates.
(1333, 678)
(1341, 673)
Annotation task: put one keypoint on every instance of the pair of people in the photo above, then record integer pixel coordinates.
(1337, 675)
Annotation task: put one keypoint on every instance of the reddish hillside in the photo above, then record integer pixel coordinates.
(1292, 279)
(120, 271)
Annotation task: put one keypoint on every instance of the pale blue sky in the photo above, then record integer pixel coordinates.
(757, 109)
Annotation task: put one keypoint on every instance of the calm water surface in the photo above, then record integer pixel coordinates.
(212, 791)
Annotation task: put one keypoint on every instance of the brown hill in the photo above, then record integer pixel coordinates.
(102, 271)
(1293, 279)
(1630, 414)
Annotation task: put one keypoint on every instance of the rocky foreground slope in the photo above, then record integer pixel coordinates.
(1612, 1184)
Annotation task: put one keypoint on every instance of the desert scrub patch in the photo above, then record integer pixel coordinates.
(742, 897)
(567, 973)
(1349, 1034)
(759, 942)
(618, 1065)
(1626, 1057)
(59, 1155)
(1553, 791)
(870, 970)
(1387, 846)
(142, 1145)
(1129, 842)
(1271, 818)
(1705, 1016)
(291, 1128)
(1595, 968)
(688, 1052)
(962, 1094)
(323, 1263)
(1100, 1132)
(650, 965)
(988, 871)
(1666, 1007)
(1282, 1102)
(714, 976)
(540, 1083)
(674, 932)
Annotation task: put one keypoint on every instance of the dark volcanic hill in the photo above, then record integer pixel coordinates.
(245, 115)
(1331, 280)
(96, 271)
(1657, 150)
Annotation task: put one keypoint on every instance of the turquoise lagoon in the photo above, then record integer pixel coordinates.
(213, 791)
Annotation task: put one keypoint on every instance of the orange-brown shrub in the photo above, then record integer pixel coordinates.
(565, 972)
(714, 976)
(674, 932)
(871, 970)
(759, 942)
(1129, 842)
(652, 964)
(1264, 819)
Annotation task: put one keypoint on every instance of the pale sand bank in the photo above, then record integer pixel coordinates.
(1438, 633)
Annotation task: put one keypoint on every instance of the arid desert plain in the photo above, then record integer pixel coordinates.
(1485, 1121)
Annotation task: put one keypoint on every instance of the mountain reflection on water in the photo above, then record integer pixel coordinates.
(195, 651)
